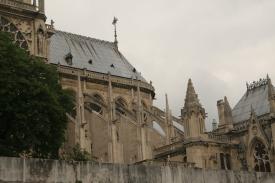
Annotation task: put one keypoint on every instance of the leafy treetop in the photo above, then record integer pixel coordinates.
(33, 105)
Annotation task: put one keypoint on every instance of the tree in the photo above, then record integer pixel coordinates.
(33, 105)
(78, 154)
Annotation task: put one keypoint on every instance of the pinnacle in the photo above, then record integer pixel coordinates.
(227, 105)
(191, 98)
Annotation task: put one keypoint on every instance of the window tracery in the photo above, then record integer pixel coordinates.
(17, 36)
(120, 106)
(261, 158)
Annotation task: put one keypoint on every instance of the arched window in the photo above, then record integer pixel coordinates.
(261, 158)
(121, 106)
(96, 104)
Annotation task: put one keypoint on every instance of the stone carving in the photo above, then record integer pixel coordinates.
(40, 41)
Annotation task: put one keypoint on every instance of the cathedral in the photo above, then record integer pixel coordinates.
(114, 118)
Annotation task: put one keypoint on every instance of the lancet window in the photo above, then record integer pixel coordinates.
(97, 103)
(120, 106)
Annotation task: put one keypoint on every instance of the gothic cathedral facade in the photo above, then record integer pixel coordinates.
(114, 118)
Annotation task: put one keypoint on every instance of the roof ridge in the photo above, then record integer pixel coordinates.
(86, 37)
(256, 84)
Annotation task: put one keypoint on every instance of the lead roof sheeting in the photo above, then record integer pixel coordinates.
(258, 98)
(102, 53)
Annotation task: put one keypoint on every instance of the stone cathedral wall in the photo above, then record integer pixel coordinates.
(36, 170)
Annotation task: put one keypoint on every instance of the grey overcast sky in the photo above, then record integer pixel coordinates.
(220, 44)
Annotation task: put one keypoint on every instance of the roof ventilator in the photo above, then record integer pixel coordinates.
(90, 61)
(112, 65)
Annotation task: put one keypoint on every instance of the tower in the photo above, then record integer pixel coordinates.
(25, 21)
(193, 114)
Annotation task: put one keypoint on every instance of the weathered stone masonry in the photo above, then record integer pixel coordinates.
(50, 171)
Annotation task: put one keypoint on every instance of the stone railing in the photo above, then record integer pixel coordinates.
(221, 138)
(167, 163)
(105, 77)
(19, 5)
(50, 27)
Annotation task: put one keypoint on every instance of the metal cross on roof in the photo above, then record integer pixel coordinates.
(114, 23)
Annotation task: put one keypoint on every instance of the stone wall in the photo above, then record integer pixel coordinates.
(36, 170)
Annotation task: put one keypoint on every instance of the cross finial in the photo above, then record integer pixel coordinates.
(114, 23)
(52, 23)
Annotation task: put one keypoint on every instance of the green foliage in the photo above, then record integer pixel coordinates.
(33, 105)
(78, 154)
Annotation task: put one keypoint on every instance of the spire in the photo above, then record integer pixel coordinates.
(193, 114)
(191, 98)
(114, 23)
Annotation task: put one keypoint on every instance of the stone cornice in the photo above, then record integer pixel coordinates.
(104, 78)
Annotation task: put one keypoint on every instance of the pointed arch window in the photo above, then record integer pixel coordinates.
(97, 103)
(16, 35)
(261, 158)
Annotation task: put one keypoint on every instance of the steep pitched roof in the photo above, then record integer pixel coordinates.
(257, 98)
(92, 54)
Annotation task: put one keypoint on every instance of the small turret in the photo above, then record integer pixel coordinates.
(193, 113)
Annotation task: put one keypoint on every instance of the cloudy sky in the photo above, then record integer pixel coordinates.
(220, 44)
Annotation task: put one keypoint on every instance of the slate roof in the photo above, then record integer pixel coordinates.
(92, 54)
(258, 98)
